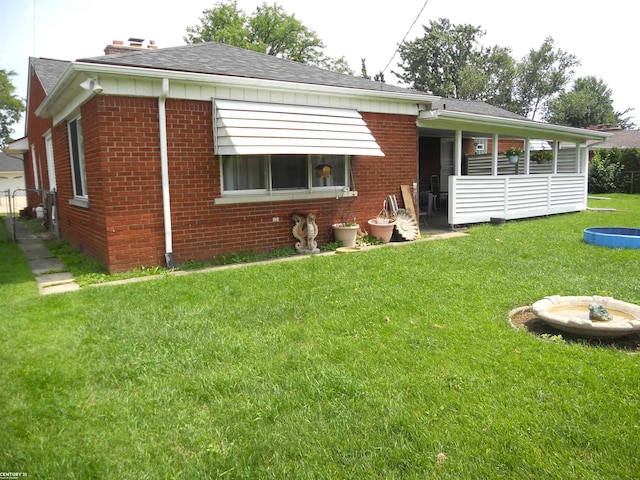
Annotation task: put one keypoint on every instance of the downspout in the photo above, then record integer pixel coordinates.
(164, 168)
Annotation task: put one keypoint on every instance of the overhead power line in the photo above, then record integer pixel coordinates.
(405, 35)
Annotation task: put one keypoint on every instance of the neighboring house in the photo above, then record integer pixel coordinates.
(12, 186)
(168, 155)
(622, 138)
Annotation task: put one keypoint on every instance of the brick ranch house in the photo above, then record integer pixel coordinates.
(160, 156)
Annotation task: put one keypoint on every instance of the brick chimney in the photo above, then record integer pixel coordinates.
(135, 44)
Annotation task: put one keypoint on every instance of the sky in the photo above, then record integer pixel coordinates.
(602, 35)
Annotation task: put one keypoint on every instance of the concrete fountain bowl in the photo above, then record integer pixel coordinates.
(571, 315)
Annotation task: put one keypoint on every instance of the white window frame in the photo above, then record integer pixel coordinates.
(48, 144)
(34, 166)
(77, 158)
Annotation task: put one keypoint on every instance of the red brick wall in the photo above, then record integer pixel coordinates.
(128, 186)
(377, 177)
(37, 128)
(503, 144)
(124, 228)
(78, 225)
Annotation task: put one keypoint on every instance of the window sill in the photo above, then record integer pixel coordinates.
(79, 202)
(282, 197)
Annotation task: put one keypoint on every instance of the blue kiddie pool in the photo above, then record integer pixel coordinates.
(613, 237)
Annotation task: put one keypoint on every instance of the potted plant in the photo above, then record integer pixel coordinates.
(513, 153)
(382, 226)
(346, 232)
(542, 156)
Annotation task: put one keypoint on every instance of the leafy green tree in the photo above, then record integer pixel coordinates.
(541, 76)
(491, 79)
(434, 62)
(10, 106)
(449, 61)
(363, 69)
(225, 23)
(625, 122)
(607, 173)
(268, 30)
(378, 77)
(589, 103)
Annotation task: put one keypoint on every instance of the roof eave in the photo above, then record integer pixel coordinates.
(18, 146)
(47, 107)
(509, 126)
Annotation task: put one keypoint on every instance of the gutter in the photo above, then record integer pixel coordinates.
(572, 133)
(164, 168)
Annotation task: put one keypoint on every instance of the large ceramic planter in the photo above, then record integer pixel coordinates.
(381, 229)
(346, 234)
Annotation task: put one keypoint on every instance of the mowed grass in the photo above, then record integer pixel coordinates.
(396, 362)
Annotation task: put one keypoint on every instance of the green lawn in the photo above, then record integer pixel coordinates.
(396, 362)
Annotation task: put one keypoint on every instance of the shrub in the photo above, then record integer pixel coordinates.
(606, 173)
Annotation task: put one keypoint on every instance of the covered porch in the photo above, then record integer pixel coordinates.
(462, 167)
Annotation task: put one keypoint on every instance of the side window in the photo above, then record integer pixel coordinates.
(242, 174)
(329, 171)
(76, 147)
(289, 172)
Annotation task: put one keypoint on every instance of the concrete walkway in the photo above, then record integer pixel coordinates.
(51, 275)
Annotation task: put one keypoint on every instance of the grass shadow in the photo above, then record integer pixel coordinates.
(526, 320)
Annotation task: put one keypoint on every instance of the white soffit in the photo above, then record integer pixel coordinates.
(253, 128)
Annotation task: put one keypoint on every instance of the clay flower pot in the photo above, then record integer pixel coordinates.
(382, 229)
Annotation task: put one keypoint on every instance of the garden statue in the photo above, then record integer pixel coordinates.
(305, 230)
(599, 312)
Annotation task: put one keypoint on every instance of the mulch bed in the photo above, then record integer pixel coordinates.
(524, 319)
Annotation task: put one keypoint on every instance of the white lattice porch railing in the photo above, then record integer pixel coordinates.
(476, 199)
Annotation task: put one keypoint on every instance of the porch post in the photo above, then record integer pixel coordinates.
(457, 154)
(578, 159)
(494, 156)
(527, 155)
(583, 159)
(555, 157)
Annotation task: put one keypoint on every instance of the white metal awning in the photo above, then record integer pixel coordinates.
(251, 128)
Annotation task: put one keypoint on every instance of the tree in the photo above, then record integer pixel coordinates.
(588, 103)
(449, 61)
(541, 76)
(268, 30)
(378, 77)
(224, 24)
(434, 62)
(606, 172)
(491, 79)
(10, 106)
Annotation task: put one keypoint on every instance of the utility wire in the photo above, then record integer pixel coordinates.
(405, 36)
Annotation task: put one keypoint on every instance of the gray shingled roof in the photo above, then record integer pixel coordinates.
(49, 71)
(10, 164)
(221, 59)
(623, 139)
(472, 106)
